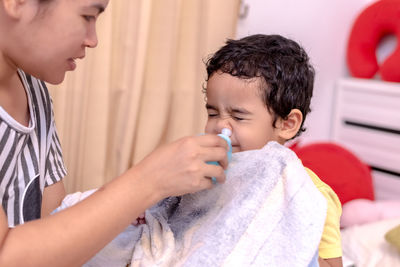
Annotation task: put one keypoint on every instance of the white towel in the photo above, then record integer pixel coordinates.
(267, 213)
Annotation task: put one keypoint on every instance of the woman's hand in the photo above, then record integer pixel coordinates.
(139, 220)
(180, 167)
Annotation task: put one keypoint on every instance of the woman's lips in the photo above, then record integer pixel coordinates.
(71, 64)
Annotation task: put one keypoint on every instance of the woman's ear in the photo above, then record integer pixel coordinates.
(289, 127)
(13, 7)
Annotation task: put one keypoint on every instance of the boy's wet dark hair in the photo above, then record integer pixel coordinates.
(283, 65)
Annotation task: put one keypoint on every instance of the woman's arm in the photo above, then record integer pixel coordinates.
(73, 236)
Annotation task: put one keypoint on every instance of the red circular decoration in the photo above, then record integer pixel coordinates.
(376, 21)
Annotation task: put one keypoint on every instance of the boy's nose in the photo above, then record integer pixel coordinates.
(223, 123)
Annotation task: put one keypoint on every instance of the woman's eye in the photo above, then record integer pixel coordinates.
(88, 17)
(212, 115)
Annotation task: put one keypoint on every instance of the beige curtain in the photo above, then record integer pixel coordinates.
(140, 87)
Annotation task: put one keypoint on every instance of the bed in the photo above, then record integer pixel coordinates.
(365, 246)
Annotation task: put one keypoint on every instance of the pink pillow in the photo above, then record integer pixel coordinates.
(361, 211)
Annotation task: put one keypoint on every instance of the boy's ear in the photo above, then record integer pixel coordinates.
(13, 7)
(288, 128)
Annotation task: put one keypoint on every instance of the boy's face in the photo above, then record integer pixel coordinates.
(236, 104)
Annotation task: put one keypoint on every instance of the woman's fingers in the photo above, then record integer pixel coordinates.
(214, 171)
(139, 220)
(211, 140)
(181, 167)
(215, 154)
(214, 149)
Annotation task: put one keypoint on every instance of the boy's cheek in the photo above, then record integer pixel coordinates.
(236, 149)
(208, 128)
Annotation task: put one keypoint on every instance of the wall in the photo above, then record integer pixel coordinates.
(322, 27)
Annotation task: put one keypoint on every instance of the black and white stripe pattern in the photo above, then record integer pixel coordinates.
(30, 157)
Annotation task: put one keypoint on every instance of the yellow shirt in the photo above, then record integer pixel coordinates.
(330, 245)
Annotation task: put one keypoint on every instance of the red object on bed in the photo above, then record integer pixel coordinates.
(347, 175)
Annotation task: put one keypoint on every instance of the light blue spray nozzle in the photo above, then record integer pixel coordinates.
(225, 134)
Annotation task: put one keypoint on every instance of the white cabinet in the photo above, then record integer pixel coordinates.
(367, 122)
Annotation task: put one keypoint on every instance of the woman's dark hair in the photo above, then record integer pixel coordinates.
(283, 65)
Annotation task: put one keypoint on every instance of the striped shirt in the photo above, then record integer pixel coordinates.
(30, 157)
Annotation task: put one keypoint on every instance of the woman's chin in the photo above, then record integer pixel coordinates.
(54, 78)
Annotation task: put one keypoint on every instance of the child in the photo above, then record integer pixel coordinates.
(40, 41)
(260, 88)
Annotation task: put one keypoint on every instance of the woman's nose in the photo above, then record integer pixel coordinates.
(91, 38)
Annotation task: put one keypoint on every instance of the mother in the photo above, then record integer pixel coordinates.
(40, 41)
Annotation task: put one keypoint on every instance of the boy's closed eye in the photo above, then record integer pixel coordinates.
(233, 116)
(237, 118)
(240, 114)
(212, 113)
(236, 114)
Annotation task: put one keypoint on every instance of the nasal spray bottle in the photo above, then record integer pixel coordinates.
(225, 134)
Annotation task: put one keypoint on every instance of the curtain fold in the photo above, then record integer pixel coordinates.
(141, 87)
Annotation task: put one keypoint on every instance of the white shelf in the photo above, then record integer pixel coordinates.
(366, 120)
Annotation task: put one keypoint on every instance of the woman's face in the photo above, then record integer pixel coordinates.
(50, 36)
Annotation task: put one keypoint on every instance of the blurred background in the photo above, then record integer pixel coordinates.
(141, 87)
